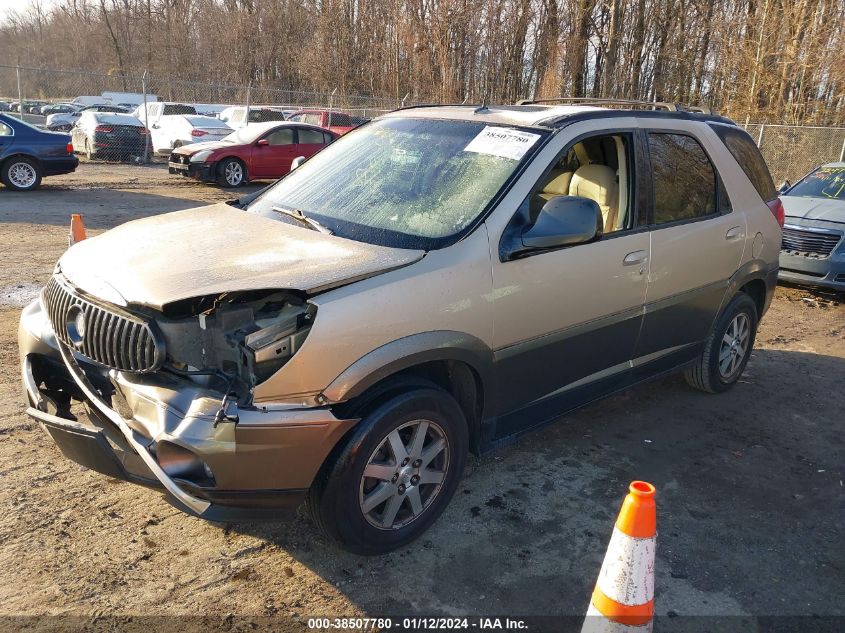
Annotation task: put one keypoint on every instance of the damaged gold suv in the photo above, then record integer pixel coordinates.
(435, 282)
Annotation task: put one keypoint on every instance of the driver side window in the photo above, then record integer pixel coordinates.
(597, 168)
(283, 136)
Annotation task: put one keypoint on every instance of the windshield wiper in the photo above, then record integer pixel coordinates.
(296, 214)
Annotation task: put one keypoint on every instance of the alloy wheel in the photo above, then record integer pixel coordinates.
(404, 474)
(734, 346)
(22, 175)
(234, 173)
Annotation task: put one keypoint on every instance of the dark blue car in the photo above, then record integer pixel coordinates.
(27, 154)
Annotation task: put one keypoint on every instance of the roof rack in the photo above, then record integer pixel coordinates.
(621, 103)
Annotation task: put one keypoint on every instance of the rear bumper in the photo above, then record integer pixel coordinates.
(56, 166)
(164, 437)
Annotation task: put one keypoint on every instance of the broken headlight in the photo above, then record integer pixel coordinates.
(237, 340)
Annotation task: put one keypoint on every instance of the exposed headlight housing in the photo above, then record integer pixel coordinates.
(244, 336)
(201, 156)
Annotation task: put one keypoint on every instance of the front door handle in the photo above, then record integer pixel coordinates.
(635, 258)
(734, 233)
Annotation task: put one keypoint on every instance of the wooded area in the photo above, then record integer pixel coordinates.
(767, 60)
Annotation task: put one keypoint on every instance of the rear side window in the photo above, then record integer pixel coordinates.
(178, 108)
(684, 178)
(745, 152)
(341, 119)
(310, 137)
(5, 130)
(262, 116)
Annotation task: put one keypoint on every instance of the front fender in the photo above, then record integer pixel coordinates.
(408, 352)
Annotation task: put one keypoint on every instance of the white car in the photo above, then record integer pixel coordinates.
(235, 116)
(176, 130)
(63, 121)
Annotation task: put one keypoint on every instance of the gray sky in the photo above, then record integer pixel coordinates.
(7, 6)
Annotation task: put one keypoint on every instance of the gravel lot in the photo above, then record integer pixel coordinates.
(750, 485)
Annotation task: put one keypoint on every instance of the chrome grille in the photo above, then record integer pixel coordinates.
(809, 242)
(110, 337)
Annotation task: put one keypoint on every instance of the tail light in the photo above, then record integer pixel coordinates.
(70, 148)
(143, 131)
(198, 132)
(103, 128)
(776, 207)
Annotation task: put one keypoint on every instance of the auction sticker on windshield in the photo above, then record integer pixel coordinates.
(503, 142)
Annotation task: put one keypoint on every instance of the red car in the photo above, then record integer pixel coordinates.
(339, 122)
(259, 151)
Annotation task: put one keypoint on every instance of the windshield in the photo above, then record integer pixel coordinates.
(825, 182)
(244, 135)
(407, 183)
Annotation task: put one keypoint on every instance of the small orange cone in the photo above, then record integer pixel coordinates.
(77, 229)
(623, 600)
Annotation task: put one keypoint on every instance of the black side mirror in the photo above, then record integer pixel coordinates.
(784, 186)
(565, 221)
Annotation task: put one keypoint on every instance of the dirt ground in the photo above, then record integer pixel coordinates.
(751, 504)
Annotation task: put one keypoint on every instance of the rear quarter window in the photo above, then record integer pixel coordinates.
(745, 152)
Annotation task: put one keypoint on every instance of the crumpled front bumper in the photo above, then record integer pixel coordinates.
(159, 431)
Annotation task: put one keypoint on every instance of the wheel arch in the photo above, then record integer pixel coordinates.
(459, 363)
(757, 279)
(19, 154)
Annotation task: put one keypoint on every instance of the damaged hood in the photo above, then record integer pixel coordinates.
(193, 148)
(216, 249)
(814, 208)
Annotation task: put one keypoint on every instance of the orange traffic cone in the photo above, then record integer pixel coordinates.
(623, 600)
(77, 229)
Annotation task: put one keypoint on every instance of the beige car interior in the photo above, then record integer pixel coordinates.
(595, 168)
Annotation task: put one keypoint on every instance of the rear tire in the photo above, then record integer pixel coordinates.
(21, 174)
(231, 173)
(393, 475)
(727, 349)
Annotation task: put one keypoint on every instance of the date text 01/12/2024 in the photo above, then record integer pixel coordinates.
(416, 624)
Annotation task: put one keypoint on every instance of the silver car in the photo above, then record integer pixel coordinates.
(813, 251)
(438, 281)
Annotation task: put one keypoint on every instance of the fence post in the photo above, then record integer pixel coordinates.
(146, 157)
(248, 98)
(20, 93)
(842, 153)
(402, 105)
(760, 135)
(331, 103)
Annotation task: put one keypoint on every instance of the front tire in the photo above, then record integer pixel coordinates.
(21, 174)
(231, 173)
(394, 474)
(728, 348)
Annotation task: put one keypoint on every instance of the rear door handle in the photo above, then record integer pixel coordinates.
(635, 258)
(734, 233)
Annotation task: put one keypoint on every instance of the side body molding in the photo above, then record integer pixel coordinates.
(407, 352)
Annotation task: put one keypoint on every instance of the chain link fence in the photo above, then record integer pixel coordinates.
(36, 87)
(791, 151)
